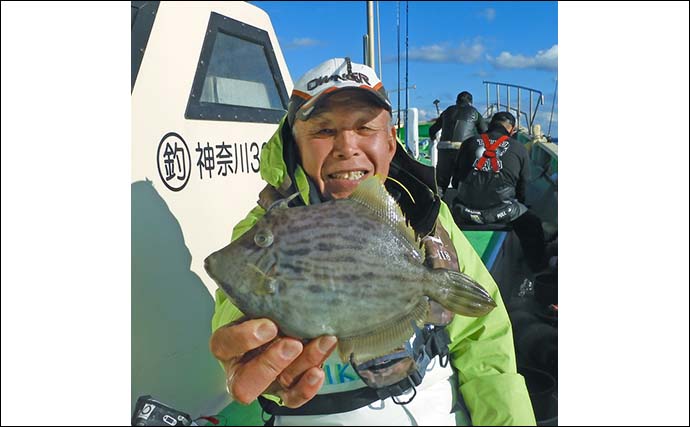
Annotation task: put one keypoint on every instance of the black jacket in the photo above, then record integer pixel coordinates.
(458, 122)
(485, 189)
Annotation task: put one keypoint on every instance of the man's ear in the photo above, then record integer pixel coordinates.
(393, 142)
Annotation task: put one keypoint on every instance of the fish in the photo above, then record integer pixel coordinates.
(352, 268)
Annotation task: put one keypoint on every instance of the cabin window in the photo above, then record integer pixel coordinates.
(237, 76)
(248, 82)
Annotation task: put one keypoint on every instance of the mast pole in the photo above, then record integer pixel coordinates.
(370, 35)
(378, 38)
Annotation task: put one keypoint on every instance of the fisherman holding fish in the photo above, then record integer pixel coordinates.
(348, 295)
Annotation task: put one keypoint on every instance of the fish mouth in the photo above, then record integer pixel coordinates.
(207, 266)
(210, 265)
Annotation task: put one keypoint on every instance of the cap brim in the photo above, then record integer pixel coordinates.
(306, 109)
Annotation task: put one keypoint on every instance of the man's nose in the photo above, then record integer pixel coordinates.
(346, 144)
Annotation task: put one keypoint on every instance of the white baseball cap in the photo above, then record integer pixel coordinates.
(329, 77)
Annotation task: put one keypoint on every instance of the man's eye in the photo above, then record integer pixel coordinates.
(367, 130)
(325, 132)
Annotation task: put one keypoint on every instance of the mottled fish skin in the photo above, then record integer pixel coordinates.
(326, 263)
(331, 269)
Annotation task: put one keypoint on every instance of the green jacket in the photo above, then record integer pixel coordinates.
(482, 350)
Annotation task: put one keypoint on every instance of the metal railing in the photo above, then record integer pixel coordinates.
(494, 107)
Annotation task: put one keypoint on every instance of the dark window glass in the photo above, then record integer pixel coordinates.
(239, 74)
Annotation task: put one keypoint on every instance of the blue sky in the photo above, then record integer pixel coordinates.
(453, 46)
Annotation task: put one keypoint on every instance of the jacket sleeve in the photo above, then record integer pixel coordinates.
(521, 187)
(435, 127)
(225, 311)
(482, 127)
(482, 350)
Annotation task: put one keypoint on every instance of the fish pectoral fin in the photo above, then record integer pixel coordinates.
(263, 282)
(256, 269)
(461, 294)
(385, 338)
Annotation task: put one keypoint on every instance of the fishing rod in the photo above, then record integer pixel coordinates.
(397, 15)
(407, 93)
(552, 105)
(400, 90)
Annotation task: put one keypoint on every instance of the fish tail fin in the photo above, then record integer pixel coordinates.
(461, 294)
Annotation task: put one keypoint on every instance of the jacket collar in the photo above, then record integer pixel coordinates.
(498, 128)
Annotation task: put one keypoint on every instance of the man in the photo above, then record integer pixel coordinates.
(492, 173)
(339, 131)
(457, 123)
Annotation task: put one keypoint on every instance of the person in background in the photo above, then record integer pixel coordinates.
(456, 123)
(337, 132)
(491, 177)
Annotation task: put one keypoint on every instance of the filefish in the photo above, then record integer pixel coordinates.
(350, 267)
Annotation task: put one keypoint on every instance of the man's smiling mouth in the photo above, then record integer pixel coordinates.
(351, 175)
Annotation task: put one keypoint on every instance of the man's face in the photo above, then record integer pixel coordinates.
(346, 140)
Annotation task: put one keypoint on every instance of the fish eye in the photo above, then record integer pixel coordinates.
(263, 238)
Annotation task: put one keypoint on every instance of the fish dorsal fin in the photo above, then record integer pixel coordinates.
(372, 194)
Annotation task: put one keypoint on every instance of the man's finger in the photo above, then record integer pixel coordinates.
(253, 377)
(233, 340)
(314, 354)
(305, 389)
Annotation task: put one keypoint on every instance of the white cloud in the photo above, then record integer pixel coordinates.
(425, 115)
(303, 42)
(465, 53)
(543, 60)
(544, 117)
(481, 73)
(489, 14)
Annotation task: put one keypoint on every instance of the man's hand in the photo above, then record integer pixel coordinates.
(257, 362)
